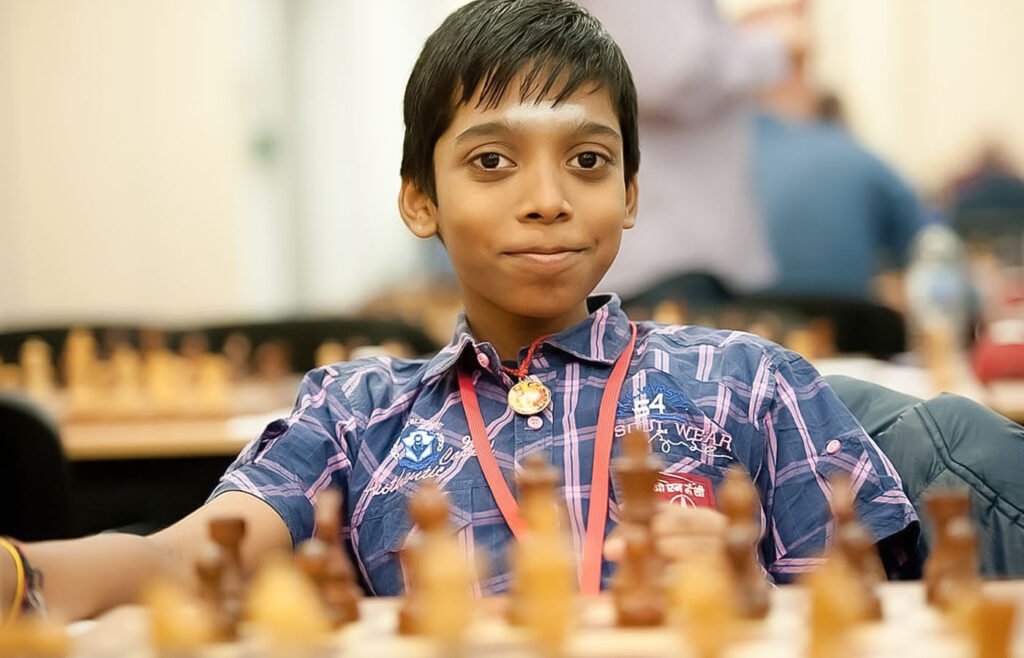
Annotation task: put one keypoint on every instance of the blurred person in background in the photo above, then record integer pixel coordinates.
(699, 235)
(837, 216)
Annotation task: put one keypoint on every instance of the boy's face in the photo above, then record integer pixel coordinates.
(531, 202)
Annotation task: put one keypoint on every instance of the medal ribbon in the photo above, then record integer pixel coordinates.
(593, 544)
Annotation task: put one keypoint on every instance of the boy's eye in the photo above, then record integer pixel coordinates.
(492, 161)
(588, 160)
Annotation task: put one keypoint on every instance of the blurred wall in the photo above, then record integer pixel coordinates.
(123, 159)
(926, 81)
(190, 159)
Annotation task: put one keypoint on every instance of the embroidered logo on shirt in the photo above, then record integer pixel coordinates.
(420, 448)
(670, 422)
(685, 490)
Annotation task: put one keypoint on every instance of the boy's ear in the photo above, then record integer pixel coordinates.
(418, 211)
(632, 201)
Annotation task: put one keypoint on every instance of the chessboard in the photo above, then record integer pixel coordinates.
(909, 628)
(715, 602)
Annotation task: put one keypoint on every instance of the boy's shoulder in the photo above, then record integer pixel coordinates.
(370, 378)
(694, 341)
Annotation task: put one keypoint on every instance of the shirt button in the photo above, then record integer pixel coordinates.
(535, 422)
(483, 360)
(833, 446)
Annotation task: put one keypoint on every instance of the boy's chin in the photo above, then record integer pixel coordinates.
(544, 305)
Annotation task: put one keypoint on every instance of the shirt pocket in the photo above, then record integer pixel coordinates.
(385, 534)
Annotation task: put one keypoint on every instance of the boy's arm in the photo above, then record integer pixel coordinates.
(810, 437)
(84, 577)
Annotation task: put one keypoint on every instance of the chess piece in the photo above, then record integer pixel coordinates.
(428, 509)
(35, 635)
(179, 626)
(544, 570)
(152, 339)
(959, 573)
(273, 361)
(836, 606)
(943, 508)
(323, 558)
(329, 352)
(286, 611)
(439, 604)
(164, 381)
(238, 351)
(705, 594)
(126, 397)
(991, 629)
(80, 371)
(37, 372)
(637, 587)
(802, 341)
(857, 545)
(670, 311)
(739, 502)
(227, 533)
(213, 377)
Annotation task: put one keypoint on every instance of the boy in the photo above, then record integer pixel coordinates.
(521, 155)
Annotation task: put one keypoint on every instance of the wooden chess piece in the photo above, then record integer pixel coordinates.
(323, 558)
(227, 533)
(638, 587)
(238, 351)
(857, 545)
(286, 611)
(164, 378)
(273, 361)
(836, 607)
(670, 311)
(991, 630)
(213, 379)
(739, 502)
(705, 594)
(959, 575)
(943, 507)
(441, 602)
(428, 509)
(126, 395)
(544, 570)
(80, 361)
(179, 625)
(330, 352)
(37, 371)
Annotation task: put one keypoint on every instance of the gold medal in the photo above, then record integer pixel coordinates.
(529, 396)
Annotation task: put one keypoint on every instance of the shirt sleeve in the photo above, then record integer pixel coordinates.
(297, 457)
(810, 437)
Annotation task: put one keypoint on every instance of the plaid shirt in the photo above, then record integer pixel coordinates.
(375, 427)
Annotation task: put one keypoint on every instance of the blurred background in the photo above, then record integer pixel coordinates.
(198, 202)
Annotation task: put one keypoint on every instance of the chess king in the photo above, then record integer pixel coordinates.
(521, 156)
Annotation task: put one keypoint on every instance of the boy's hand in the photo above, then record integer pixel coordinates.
(680, 533)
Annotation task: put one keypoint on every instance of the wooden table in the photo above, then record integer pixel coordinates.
(149, 439)
(910, 629)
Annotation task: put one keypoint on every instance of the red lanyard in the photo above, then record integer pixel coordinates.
(593, 544)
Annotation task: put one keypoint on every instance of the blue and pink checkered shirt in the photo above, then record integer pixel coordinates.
(709, 399)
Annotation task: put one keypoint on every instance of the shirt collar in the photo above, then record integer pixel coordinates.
(599, 338)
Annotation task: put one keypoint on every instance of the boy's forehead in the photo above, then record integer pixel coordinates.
(586, 105)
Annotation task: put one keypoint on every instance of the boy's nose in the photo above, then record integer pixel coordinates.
(544, 198)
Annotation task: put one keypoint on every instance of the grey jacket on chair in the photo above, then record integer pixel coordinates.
(949, 442)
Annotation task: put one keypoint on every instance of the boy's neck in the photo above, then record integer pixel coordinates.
(509, 333)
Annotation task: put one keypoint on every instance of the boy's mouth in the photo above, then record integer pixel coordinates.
(549, 256)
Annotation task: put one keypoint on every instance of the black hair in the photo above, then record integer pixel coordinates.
(487, 43)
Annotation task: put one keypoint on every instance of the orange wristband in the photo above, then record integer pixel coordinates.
(19, 587)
